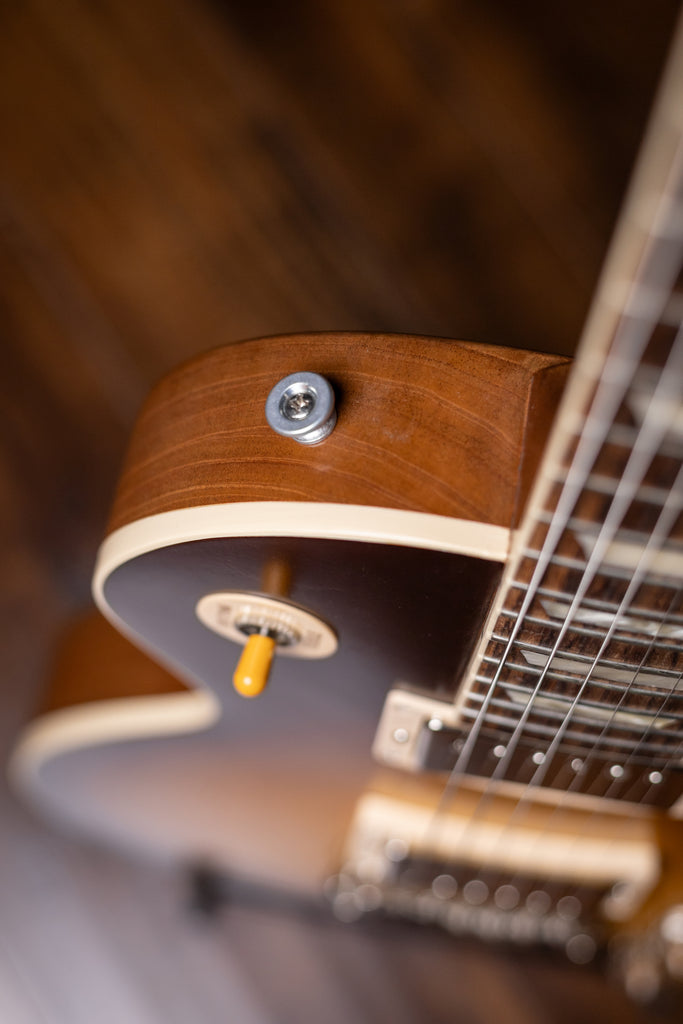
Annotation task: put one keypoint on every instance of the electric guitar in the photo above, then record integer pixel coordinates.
(460, 581)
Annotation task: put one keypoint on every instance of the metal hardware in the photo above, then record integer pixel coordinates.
(301, 406)
(463, 904)
(282, 634)
(409, 725)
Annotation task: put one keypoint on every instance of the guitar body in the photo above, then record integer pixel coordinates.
(393, 533)
(475, 711)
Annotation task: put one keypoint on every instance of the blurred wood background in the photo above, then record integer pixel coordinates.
(179, 175)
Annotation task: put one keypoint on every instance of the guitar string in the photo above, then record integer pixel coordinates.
(648, 440)
(666, 698)
(616, 781)
(617, 382)
(661, 710)
(667, 516)
(652, 431)
(607, 398)
(583, 459)
(647, 443)
(660, 533)
(517, 888)
(519, 880)
(568, 499)
(604, 406)
(666, 521)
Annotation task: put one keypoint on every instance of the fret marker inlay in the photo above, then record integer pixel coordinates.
(606, 714)
(560, 663)
(595, 617)
(626, 555)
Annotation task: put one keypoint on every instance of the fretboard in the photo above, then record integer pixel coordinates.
(578, 683)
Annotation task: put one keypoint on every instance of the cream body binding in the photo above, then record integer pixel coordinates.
(158, 775)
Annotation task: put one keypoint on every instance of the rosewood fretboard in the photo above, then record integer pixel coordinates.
(579, 681)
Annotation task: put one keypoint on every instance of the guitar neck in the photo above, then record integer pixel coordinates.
(577, 682)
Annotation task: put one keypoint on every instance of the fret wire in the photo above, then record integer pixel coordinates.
(603, 484)
(526, 691)
(598, 728)
(673, 694)
(556, 675)
(597, 603)
(635, 755)
(537, 731)
(611, 571)
(674, 757)
(489, 659)
(667, 516)
(603, 748)
(605, 663)
(623, 436)
(664, 532)
(604, 406)
(566, 677)
(586, 529)
(668, 740)
(647, 260)
(648, 716)
(579, 525)
(649, 437)
(666, 644)
(662, 710)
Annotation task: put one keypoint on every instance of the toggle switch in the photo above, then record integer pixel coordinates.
(268, 627)
(251, 675)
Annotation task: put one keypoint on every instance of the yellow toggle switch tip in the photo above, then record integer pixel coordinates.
(253, 668)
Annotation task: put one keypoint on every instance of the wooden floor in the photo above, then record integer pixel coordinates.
(177, 175)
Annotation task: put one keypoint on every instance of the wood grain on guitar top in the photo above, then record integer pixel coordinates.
(427, 425)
